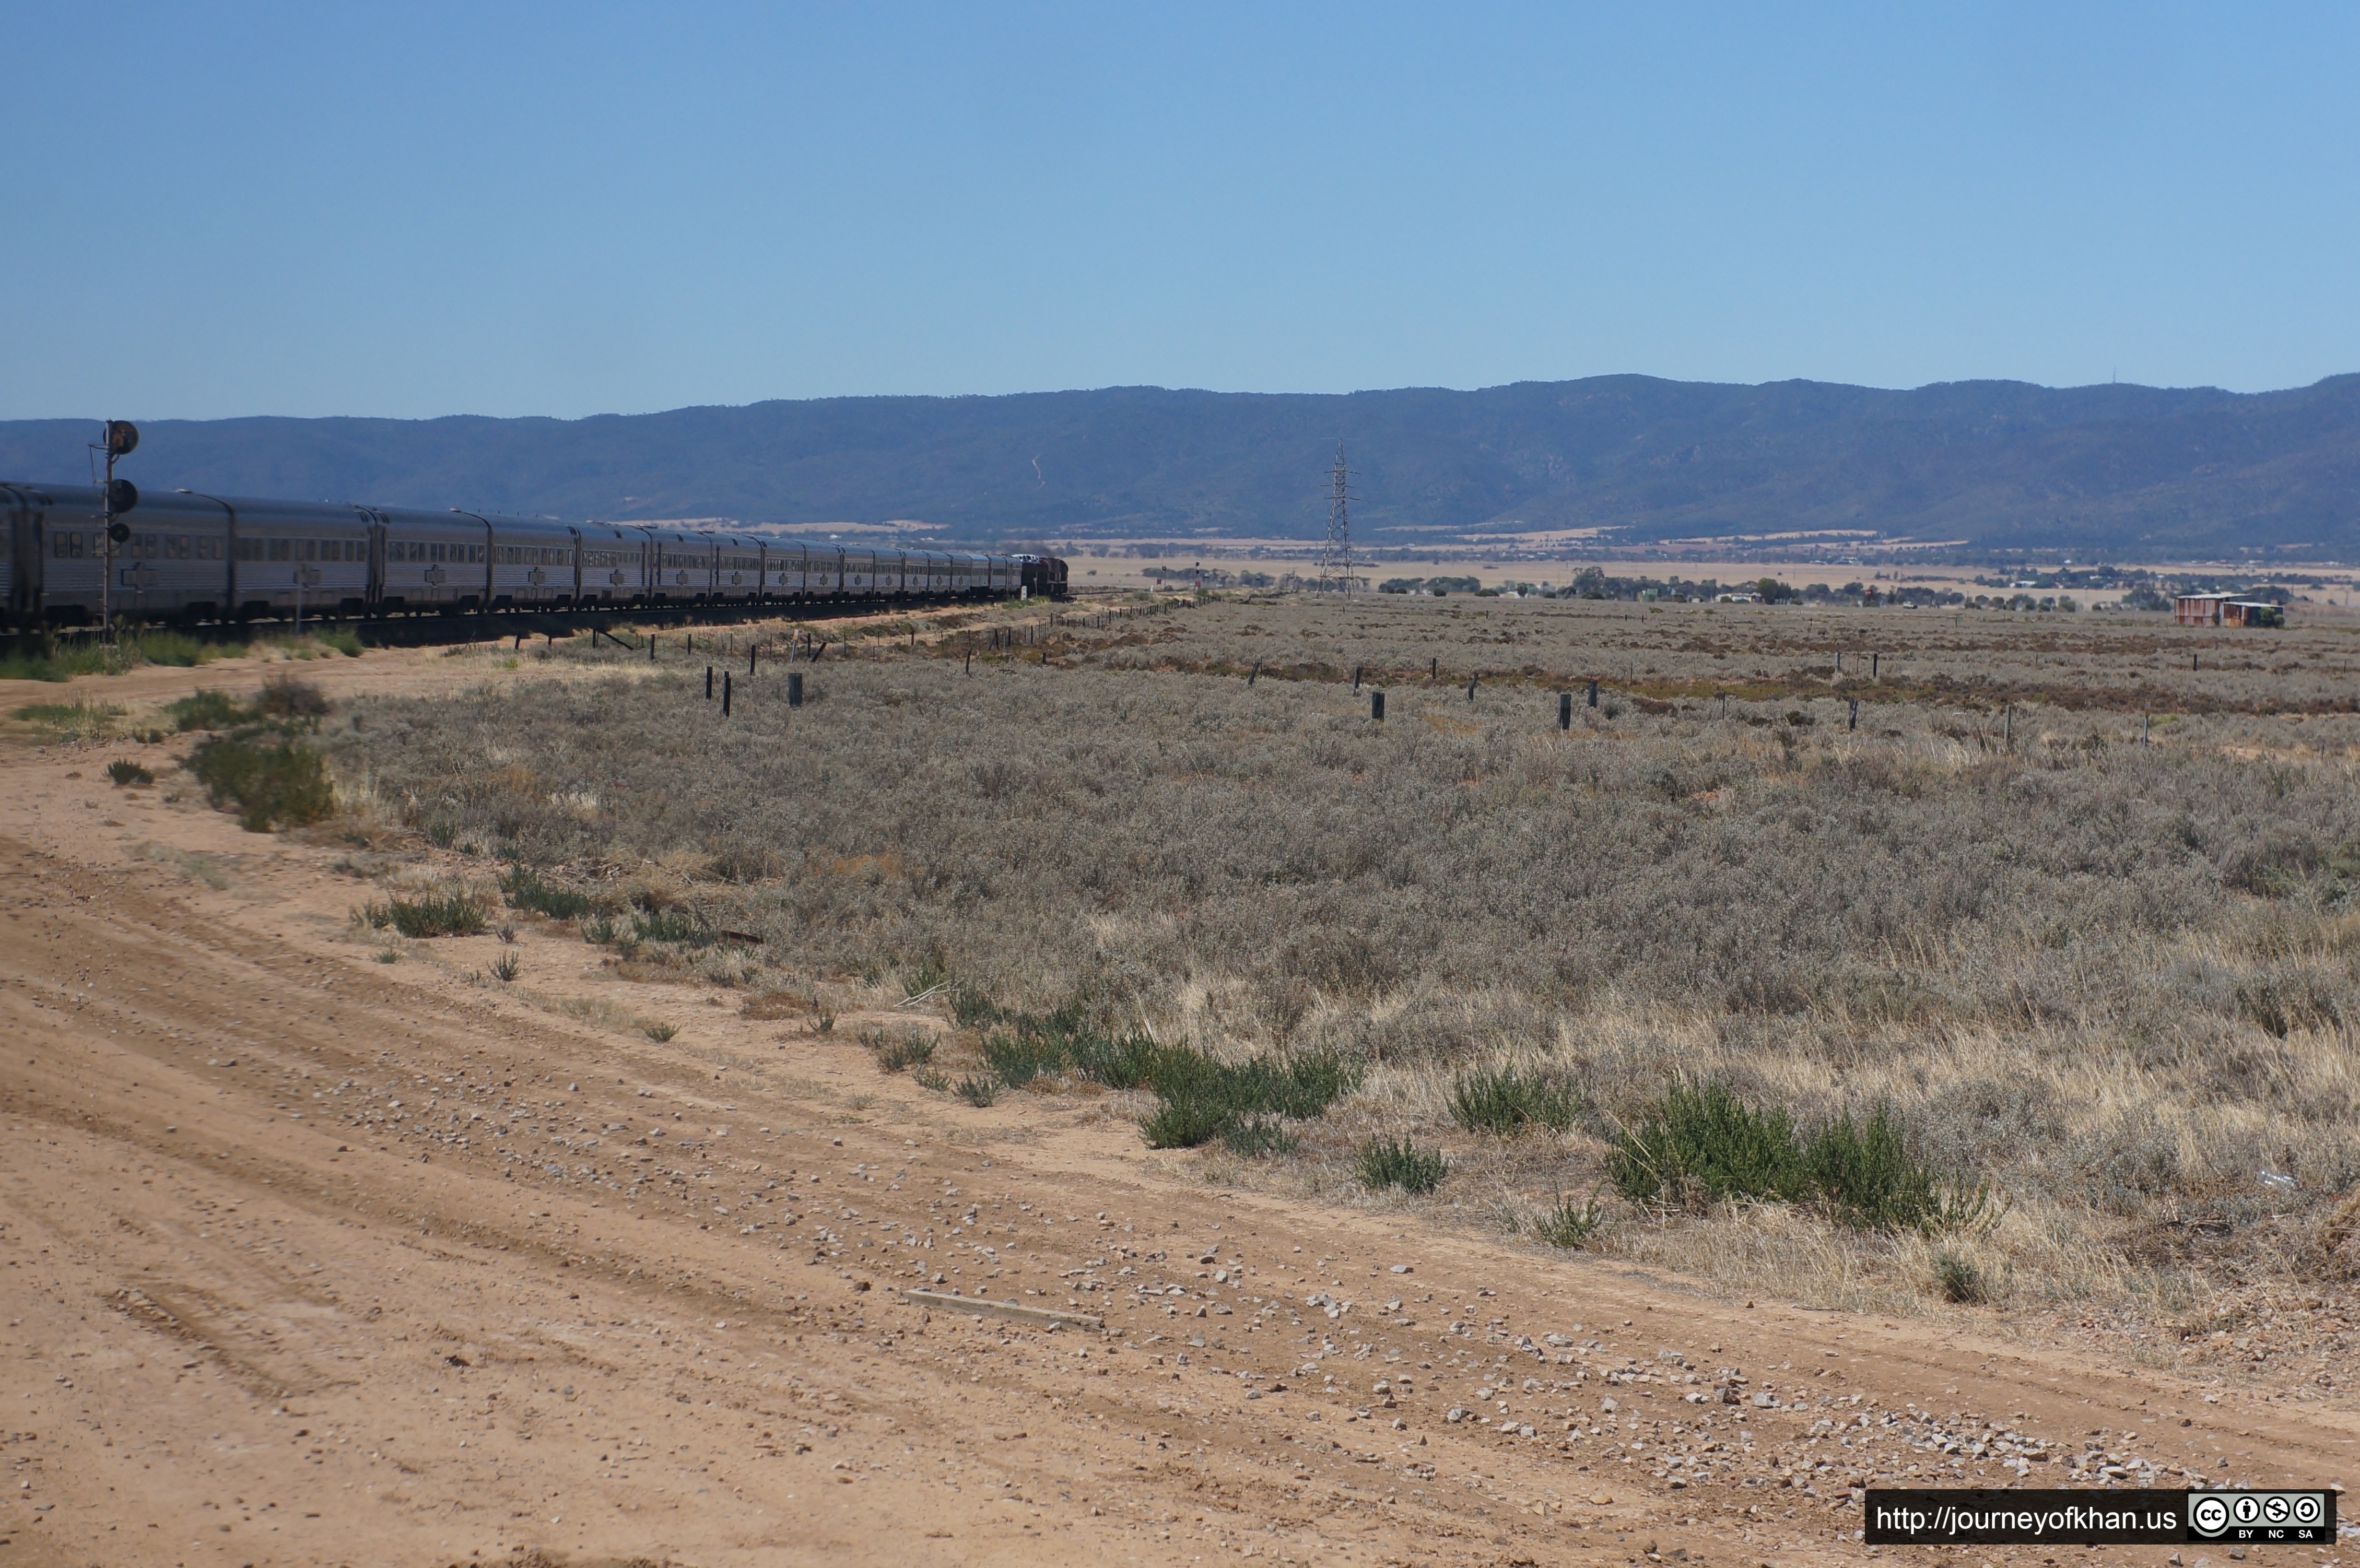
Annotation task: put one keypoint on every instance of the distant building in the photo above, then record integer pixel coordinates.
(2225, 610)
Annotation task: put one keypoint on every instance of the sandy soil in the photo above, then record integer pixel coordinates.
(313, 1259)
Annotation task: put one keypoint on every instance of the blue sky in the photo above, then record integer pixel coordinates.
(506, 209)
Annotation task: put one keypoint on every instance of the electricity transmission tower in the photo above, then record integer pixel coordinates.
(1336, 553)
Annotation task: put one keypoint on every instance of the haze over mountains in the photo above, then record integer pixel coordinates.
(2126, 472)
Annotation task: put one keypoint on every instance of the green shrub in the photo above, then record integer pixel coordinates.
(1017, 1060)
(1867, 1175)
(1385, 1162)
(1569, 1226)
(526, 890)
(203, 710)
(678, 927)
(1203, 1095)
(660, 1032)
(285, 697)
(978, 1092)
(970, 1009)
(72, 718)
(1504, 1101)
(506, 967)
(1123, 1062)
(1183, 1123)
(909, 1051)
(1702, 1142)
(1958, 1278)
(80, 657)
(1252, 1136)
(598, 931)
(177, 649)
(345, 640)
(273, 783)
(123, 770)
(451, 913)
(932, 1078)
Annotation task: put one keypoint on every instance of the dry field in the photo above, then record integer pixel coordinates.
(530, 1155)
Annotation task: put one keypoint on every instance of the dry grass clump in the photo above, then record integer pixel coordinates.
(2111, 985)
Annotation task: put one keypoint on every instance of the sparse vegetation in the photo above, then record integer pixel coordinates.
(451, 912)
(527, 890)
(73, 720)
(904, 1052)
(1570, 1224)
(124, 771)
(272, 782)
(1396, 1162)
(506, 967)
(1507, 1101)
(660, 1032)
(1702, 1142)
(208, 709)
(286, 697)
(1947, 953)
(1958, 1278)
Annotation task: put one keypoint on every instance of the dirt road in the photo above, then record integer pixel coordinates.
(313, 1259)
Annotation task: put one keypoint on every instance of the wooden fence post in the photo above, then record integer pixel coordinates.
(725, 693)
(709, 684)
(1565, 710)
(795, 689)
(1593, 693)
(1377, 706)
(1852, 723)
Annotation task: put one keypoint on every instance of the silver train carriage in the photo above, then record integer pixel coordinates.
(194, 557)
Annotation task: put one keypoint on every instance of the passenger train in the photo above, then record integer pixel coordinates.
(188, 557)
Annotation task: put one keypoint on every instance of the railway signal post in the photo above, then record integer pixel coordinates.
(117, 438)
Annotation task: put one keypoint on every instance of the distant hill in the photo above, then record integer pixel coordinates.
(2121, 470)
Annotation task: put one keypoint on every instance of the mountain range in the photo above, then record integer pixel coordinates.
(1982, 465)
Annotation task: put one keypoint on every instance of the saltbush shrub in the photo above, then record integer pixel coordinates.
(273, 783)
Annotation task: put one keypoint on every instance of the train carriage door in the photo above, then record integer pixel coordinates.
(24, 562)
(375, 592)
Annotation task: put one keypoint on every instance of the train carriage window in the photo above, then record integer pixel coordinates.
(282, 550)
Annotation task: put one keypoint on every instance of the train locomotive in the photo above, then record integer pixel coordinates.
(193, 557)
